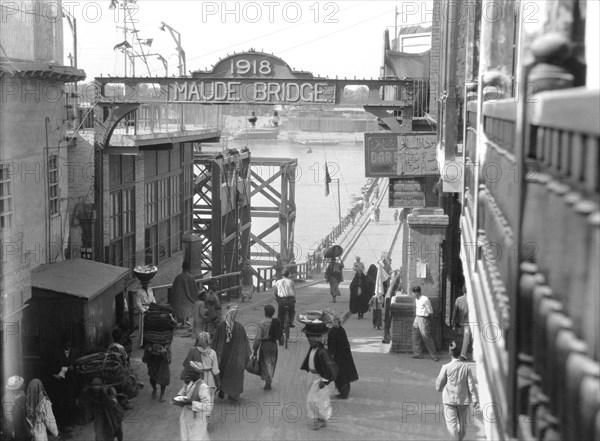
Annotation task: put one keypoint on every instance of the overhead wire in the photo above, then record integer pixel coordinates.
(269, 34)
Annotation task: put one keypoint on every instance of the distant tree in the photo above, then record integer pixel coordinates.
(355, 95)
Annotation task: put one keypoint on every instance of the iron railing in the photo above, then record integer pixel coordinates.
(314, 261)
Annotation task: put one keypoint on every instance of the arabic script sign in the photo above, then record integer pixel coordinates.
(400, 154)
(405, 193)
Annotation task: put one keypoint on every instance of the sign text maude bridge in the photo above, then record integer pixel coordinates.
(246, 78)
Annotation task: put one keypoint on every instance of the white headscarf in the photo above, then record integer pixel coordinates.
(229, 320)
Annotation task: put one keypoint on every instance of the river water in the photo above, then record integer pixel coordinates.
(316, 214)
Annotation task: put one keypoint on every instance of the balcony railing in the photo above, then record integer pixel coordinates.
(152, 119)
(558, 297)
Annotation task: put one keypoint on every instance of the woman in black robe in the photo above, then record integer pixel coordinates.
(339, 348)
(362, 289)
(356, 288)
(369, 290)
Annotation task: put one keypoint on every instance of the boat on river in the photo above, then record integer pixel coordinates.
(257, 133)
(313, 142)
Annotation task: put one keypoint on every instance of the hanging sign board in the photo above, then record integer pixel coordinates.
(400, 154)
(252, 77)
(258, 92)
(405, 193)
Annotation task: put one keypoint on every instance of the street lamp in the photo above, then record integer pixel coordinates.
(181, 53)
(164, 62)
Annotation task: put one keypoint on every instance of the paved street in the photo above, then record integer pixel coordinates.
(394, 398)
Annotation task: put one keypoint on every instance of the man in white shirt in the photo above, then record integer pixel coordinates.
(285, 294)
(143, 298)
(455, 381)
(358, 266)
(461, 321)
(422, 325)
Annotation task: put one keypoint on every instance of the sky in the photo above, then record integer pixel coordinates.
(328, 38)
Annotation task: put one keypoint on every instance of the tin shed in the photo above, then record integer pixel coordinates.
(77, 298)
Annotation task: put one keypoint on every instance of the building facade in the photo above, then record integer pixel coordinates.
(34, 215)
(518, 138)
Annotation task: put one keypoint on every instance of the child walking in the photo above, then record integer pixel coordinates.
(158, 359)
(376, 304)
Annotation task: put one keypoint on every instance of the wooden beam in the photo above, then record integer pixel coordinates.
(283, 210)
(267, 215)
(265, 183)
(268, 231)
(263, 244)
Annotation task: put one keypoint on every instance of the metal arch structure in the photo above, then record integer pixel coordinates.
(221, 211)
(274, 179)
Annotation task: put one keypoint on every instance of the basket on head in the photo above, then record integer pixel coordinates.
(333, 251)
(315, 322)
(145, 273)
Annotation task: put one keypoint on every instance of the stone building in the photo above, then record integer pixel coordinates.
(34, 215)
(518, 133)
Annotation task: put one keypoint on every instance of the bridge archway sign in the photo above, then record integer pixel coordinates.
(249, 78)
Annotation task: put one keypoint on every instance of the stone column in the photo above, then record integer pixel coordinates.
(192, 252)
(403, 313)
(427, 230)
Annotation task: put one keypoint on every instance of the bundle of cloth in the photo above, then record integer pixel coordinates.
(110, 367)
(159, 324)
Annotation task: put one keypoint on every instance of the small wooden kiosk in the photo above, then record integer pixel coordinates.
(77, 298)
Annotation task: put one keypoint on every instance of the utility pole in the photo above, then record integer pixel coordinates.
(124, 4)
(75, 94)
(339, 202)
(125, 36)
(395, 40)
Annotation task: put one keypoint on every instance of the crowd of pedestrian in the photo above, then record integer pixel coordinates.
(216, 364)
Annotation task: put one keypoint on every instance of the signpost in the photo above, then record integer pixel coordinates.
(258, 92)
(400, 154)
(405, 193)
(246, 78)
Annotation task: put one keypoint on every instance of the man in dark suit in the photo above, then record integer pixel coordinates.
(64, 385)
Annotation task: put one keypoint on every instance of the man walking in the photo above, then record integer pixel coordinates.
(185, 295)
(144, 297)
(334, 276)
(285, 294)
(422, 325)
(461, 321)
(387, 316)
(64, 386)
(455, 381)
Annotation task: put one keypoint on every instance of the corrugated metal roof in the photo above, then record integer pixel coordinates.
(414, 29)
(78, 277)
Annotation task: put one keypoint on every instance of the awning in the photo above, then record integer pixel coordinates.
(81, 278)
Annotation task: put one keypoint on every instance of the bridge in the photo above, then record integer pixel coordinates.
(133, 114)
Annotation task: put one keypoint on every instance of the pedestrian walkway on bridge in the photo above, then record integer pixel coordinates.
(394, 399)
(370, 240)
